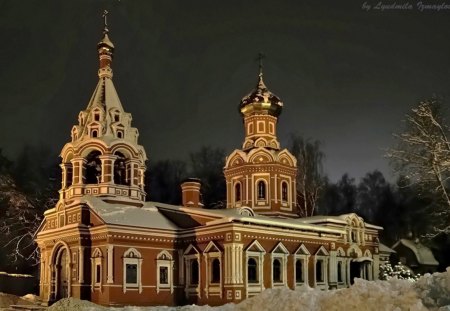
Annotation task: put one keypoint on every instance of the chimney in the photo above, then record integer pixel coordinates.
(190, 189)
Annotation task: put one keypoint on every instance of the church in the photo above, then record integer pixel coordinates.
(104, 242)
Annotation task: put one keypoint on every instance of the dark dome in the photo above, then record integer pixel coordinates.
(261, 100)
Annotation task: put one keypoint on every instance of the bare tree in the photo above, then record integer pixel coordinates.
(19, 221)
(310, 177)
(422, 156)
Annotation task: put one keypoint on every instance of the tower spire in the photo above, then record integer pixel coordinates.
(105, 50)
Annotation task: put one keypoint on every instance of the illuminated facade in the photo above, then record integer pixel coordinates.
(105, 243)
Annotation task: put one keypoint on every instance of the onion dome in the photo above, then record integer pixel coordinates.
(261, 100)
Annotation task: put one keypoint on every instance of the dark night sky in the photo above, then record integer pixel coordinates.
(346, 76)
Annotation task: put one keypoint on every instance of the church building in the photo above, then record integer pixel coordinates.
(104, 242)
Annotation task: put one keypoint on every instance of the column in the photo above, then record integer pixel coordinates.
(81, 264)
(110, 252)
(107, 168)
(233, 263)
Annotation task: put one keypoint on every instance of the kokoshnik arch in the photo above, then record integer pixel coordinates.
(105, 243)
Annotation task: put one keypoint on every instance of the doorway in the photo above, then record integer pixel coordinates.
(355, 271)
(62, 274)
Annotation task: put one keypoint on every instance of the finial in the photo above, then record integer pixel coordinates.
(260, 58)
(105, 22)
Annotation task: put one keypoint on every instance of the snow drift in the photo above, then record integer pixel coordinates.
(430, 292)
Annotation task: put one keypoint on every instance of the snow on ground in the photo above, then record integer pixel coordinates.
(6, 300)
(431, 292)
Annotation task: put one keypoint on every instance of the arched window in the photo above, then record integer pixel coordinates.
(194, 272)
(132, 261)
(94, 133)
(237, 192)
(261, 186)
(284, 191)
(252, 268)
(215, 271)
(97, 116)
(93, 168)
(276, 271)
(119, 134)
(120, 169)
(298, 271)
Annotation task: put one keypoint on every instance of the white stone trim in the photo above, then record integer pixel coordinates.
(164, 260)
(280, 253)
(110, 253)
(257, 287)
(132, 257)
(190, 289)
(303, 255)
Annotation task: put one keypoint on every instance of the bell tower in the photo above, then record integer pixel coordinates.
(261, 175)
(103, 157)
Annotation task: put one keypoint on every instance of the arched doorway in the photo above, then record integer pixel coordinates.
(62, 274)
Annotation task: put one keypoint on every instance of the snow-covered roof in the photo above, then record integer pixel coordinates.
(235, 215)
(423, 254)
(341, 219)
(385, 249)
(147, 216)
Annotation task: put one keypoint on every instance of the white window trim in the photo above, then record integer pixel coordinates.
(282, 256)
(213, 289)
(167, 263)
(96, 260)
(132, 261)
(257, 287)
(189, 289)
(237, 203)
(321, 255)
(267, 190)
(304, 259)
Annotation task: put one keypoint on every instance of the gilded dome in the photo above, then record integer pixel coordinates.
(261, 100)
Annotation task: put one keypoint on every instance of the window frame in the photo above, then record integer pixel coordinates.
(321, 255)
(189, 255)
(281, 254)
(132, 257)
(96, 262)
(258, 255)
(164, 260)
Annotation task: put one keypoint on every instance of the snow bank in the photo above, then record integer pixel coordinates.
(75, 304)
(7, 299)
(363, 295)
(434, 290)
(431, 292)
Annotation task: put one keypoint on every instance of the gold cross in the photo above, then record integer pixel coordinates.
(260, 58)
(105, 21)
